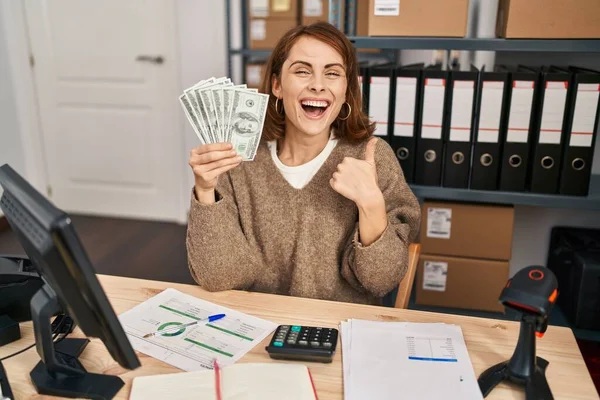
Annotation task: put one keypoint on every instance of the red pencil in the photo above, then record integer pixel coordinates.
(217, 379)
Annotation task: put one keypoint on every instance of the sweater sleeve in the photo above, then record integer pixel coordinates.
(219, 256)
(379, 267)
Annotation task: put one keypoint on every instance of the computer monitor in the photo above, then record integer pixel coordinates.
(71, 286)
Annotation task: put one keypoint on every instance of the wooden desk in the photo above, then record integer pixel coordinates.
(488, 341)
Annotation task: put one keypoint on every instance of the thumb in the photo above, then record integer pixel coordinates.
(370, 151)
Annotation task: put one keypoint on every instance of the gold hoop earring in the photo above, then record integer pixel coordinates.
(349, 111)
(276, 105)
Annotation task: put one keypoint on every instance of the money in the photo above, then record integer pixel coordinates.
(220, 111)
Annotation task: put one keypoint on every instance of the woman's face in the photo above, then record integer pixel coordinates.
(312, 86)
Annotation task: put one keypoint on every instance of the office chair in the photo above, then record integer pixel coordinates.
(405, 286)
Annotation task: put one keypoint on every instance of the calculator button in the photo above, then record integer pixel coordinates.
(284, 327)
(303, 343)
(327, 344)
(291, 341)
(315, 344)
(278, 344)
(296, 328)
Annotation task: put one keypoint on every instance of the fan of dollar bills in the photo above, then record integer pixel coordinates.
(220, 111)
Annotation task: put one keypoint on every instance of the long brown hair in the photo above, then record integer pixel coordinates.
(357, 126)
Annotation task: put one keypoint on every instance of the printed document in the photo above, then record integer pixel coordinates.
(194, 347)
(391, 360)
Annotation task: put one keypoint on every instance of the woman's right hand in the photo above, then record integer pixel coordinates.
(208, 162)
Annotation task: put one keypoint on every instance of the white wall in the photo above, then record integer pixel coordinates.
(203, 53)
(11, 147)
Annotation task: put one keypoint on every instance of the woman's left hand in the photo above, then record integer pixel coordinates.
(357, 179)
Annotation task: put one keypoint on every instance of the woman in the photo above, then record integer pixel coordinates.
(324, 210)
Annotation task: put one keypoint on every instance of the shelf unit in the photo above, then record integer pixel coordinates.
(392, 45)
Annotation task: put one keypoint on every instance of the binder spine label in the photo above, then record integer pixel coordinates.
(388, 8)
(462, 111)
(439, 222)
(584, 115)
(312, 8)
(379, 103)
(404, 116)
(520, 112)
(433, 108)
(491, 109)
(553, 112)
(434, 276)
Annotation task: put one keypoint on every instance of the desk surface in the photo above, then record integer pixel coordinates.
(488, 341)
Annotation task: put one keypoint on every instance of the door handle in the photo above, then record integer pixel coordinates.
(151, 59)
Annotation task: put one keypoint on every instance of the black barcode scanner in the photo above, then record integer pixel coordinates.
(532, 292)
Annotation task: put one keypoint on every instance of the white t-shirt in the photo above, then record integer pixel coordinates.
(300, 175)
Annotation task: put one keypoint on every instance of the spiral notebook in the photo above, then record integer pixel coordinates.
(248, 381)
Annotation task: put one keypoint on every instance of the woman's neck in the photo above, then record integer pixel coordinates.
(297, 148)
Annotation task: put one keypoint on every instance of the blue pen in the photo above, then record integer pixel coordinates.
(176, 328)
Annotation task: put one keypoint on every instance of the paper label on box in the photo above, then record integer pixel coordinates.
(379, 103)
(553, 111)
(489, 115)
(434, 276)
(253, 75)
(520, 112)
(259, 8)
(584, 115)
(462, 111)
(258, 29)
(439, 222)
(312, 8)
(433, 108)
(282, 5)
(406, 94)
(388, 8)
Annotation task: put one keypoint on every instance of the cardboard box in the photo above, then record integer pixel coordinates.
(461, 282)
(548, 19)
(254, 74)
(273, 8)
(412, 18)
(266, 32)
(318, 10)
(467, 230)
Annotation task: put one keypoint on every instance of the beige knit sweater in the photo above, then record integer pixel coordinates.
(264, 235)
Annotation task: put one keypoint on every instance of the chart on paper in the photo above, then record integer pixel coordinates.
(431, 349)
(194, 347)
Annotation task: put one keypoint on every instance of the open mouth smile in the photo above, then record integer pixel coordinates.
(314, 108)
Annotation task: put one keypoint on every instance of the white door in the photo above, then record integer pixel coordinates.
(107, 87)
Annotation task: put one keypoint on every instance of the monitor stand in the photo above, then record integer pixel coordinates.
(60, 373)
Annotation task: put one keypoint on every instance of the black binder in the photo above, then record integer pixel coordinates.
(458, 132)
(406, 87)
(491, 115)
(516, 133)
(363, 82)
(432, 114)
(380, 90)
(549, 131)
(581, 132)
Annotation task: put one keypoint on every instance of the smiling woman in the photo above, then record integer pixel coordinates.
(324, 210)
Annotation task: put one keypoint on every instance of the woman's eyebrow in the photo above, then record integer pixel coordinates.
(301, 62)
(310, 65)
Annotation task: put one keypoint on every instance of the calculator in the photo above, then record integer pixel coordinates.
(304, 343)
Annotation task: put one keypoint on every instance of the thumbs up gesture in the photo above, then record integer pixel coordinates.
(357, 179)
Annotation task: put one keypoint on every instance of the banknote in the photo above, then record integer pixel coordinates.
(220, 111)
(247, 120)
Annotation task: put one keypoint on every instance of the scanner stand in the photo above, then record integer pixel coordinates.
(523, 368)
(60, 373)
